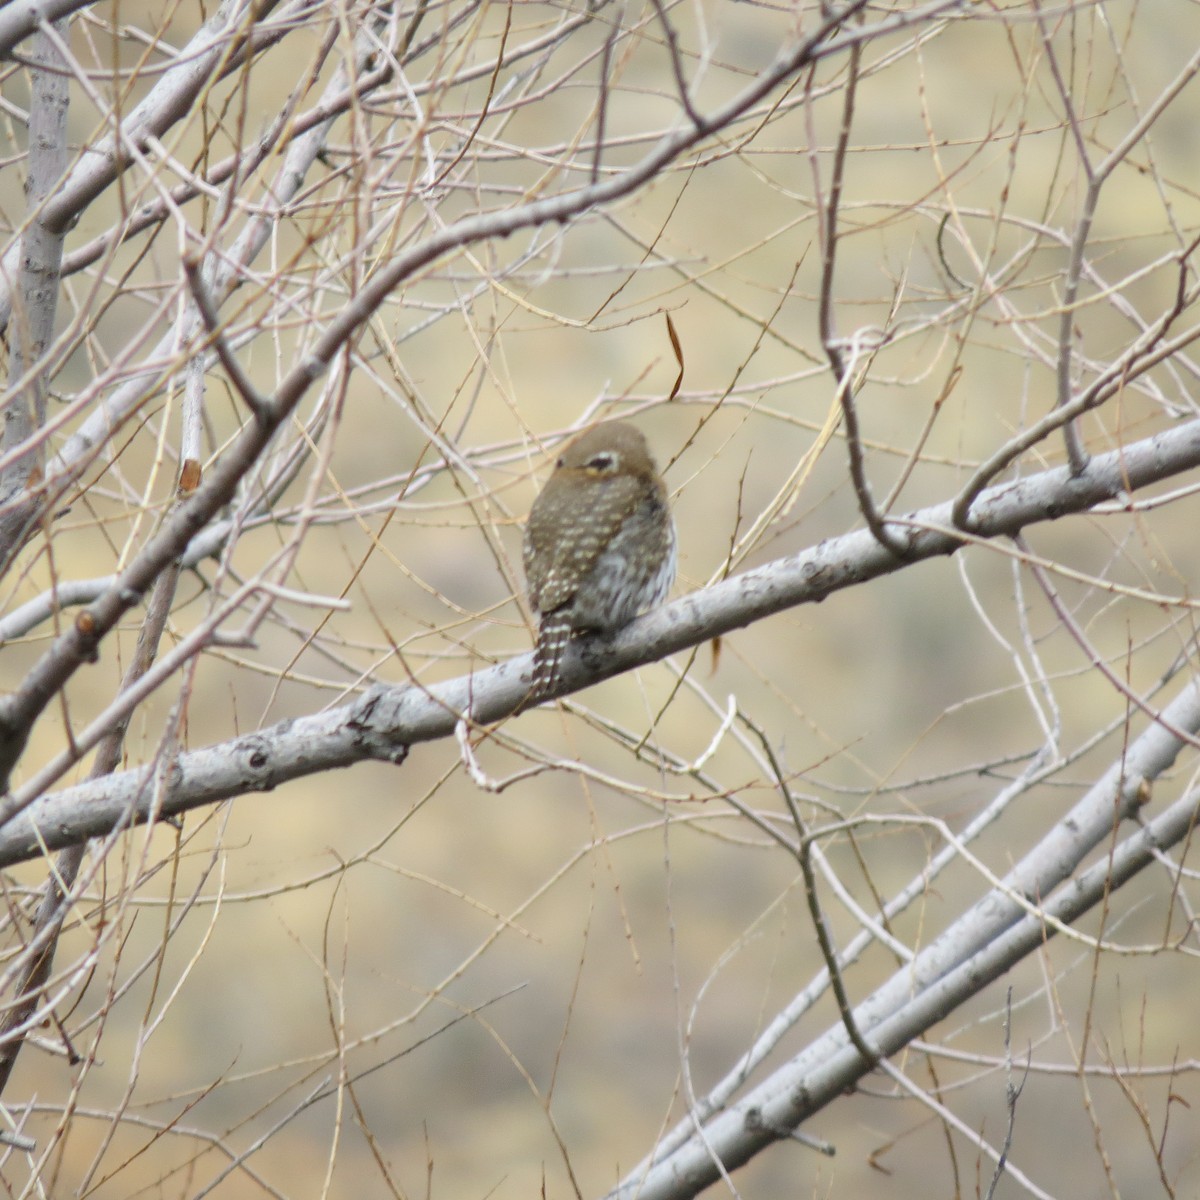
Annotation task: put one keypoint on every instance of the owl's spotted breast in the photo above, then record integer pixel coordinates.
(599, 545)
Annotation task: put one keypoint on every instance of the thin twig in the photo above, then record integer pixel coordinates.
(807, 841)
(256, 401)
(57, 892)
(843, 372)
(1012, 1093)
(681, 83)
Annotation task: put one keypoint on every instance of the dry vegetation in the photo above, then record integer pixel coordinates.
(299, 299)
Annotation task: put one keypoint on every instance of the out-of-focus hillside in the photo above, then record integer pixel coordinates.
(402, 983)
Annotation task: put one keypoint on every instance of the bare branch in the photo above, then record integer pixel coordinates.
(387, 722)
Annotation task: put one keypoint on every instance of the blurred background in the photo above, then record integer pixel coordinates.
(391, 981)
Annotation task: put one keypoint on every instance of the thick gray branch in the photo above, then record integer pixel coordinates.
(19, 710)
(385, 722)
(172, 97)
(40, 259)
(975, 950)
(19, 18)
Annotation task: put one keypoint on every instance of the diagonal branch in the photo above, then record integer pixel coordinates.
(975, 950)
(384, 723)
(78, 644)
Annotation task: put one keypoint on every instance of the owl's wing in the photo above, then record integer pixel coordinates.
(568, 530)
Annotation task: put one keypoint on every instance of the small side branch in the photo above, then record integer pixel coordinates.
(255, 401)
(58, 892)
(681, 83)
(842, 370)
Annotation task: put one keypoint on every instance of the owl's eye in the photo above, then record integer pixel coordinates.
(602, 464)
